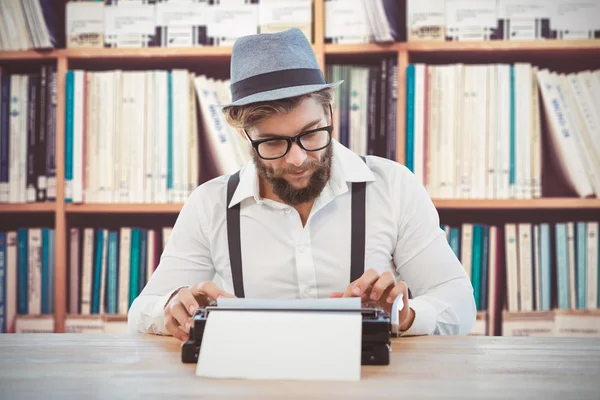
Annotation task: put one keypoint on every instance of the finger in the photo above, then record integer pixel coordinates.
(209, 289)
(180, 314)
(385, 281)
(400, 288)
(336, 294)
(361, 285)
(188, 301)
(173, 329)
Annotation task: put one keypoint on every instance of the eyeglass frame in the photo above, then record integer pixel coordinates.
(294, 139)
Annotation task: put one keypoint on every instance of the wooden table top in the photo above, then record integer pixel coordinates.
(147, 366)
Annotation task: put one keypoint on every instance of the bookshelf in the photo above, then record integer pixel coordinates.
(218, 57)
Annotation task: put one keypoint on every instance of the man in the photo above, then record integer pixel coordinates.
(307, 218)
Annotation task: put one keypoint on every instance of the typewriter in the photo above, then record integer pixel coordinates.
(377, 330)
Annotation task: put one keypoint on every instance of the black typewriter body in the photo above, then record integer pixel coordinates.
(375, 343)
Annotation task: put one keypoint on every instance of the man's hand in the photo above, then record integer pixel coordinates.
(184, 303)
(383, 290)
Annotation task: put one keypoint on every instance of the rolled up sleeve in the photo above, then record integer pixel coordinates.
(185, 261)
(443, 300)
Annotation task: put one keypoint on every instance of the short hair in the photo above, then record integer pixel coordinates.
(247, 116)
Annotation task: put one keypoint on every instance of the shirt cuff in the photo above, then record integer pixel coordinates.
(158, 313)
(425, 318)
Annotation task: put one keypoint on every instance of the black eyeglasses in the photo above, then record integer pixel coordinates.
(312, 140)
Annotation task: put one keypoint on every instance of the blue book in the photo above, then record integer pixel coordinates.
(134, 265)
(69, 125)
(112, 284)
(97, 281)
(410, 117)
(455, 241)
(2, 282)
(22, 272)
(46, 271)
(581, 264)
(485, 262)
(545, 267)
(562, 266)
(476, 264)
(143, 259)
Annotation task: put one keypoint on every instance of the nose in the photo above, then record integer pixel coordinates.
(296, 155)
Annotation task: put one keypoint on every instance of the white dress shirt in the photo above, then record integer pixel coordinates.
(283, 259)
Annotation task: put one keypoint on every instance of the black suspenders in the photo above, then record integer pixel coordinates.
(357, 255)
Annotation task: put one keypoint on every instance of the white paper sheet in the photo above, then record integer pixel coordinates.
(283, 345)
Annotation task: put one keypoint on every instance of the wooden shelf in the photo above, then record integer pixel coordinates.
(368, 48)
(505, 46)
(124, 208)
(512, 204)
(27, 207)
(148, 52)
(29, 55)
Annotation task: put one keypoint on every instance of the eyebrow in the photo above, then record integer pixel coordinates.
(272, 135)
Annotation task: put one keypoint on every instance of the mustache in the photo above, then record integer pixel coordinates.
(294, 170)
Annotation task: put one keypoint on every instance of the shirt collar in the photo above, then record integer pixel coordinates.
(346, 166)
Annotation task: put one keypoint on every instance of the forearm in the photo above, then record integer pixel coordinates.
(448, 309)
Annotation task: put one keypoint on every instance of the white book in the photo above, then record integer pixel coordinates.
(449, 111)
(593, 88)
(193, 175)
(11, 280)
(466, 248)
(479, 132)
(466, 22)
(181, 134)
(491, 134)
(87, 271)
(536, 139)
(512, 268)
(575, 19)
(139, 133)
(503, 136)
(524, 19)
(78, 132)
(523, 137)
(524, 231)
(149, 138)
(586, 96)
(592, 264)
(74, 288)
(455, 123)
(14, 138)
(346, 22)
(230, 20)
(576, 118)
(151, 260)
(127, 144)
(84, 24)
(162, 129)
(91, 120)
(435, 122)
(537, 268)
(419, 122)
(219, 144)
(465, 180)
(571, 249)
(425, 20)
(563, 142)
(116, 110)
(276, 16)
(34, 271)
(124, 269)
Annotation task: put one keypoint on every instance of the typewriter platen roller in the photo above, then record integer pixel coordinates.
(377, 331)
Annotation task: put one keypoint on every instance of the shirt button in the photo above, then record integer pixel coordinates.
(302, 249)
(288, 210)
(307, 291)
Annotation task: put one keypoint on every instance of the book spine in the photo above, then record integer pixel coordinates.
(4, 135)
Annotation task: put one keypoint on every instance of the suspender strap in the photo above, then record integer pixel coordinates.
(234, 237)
(357, 252)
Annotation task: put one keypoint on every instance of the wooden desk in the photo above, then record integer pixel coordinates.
(144, 366)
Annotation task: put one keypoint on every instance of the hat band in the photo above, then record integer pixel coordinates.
(276, 80)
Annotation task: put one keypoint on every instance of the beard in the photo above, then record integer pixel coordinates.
(287, 192)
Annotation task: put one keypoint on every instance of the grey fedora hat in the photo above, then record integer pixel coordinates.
(273, 66)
